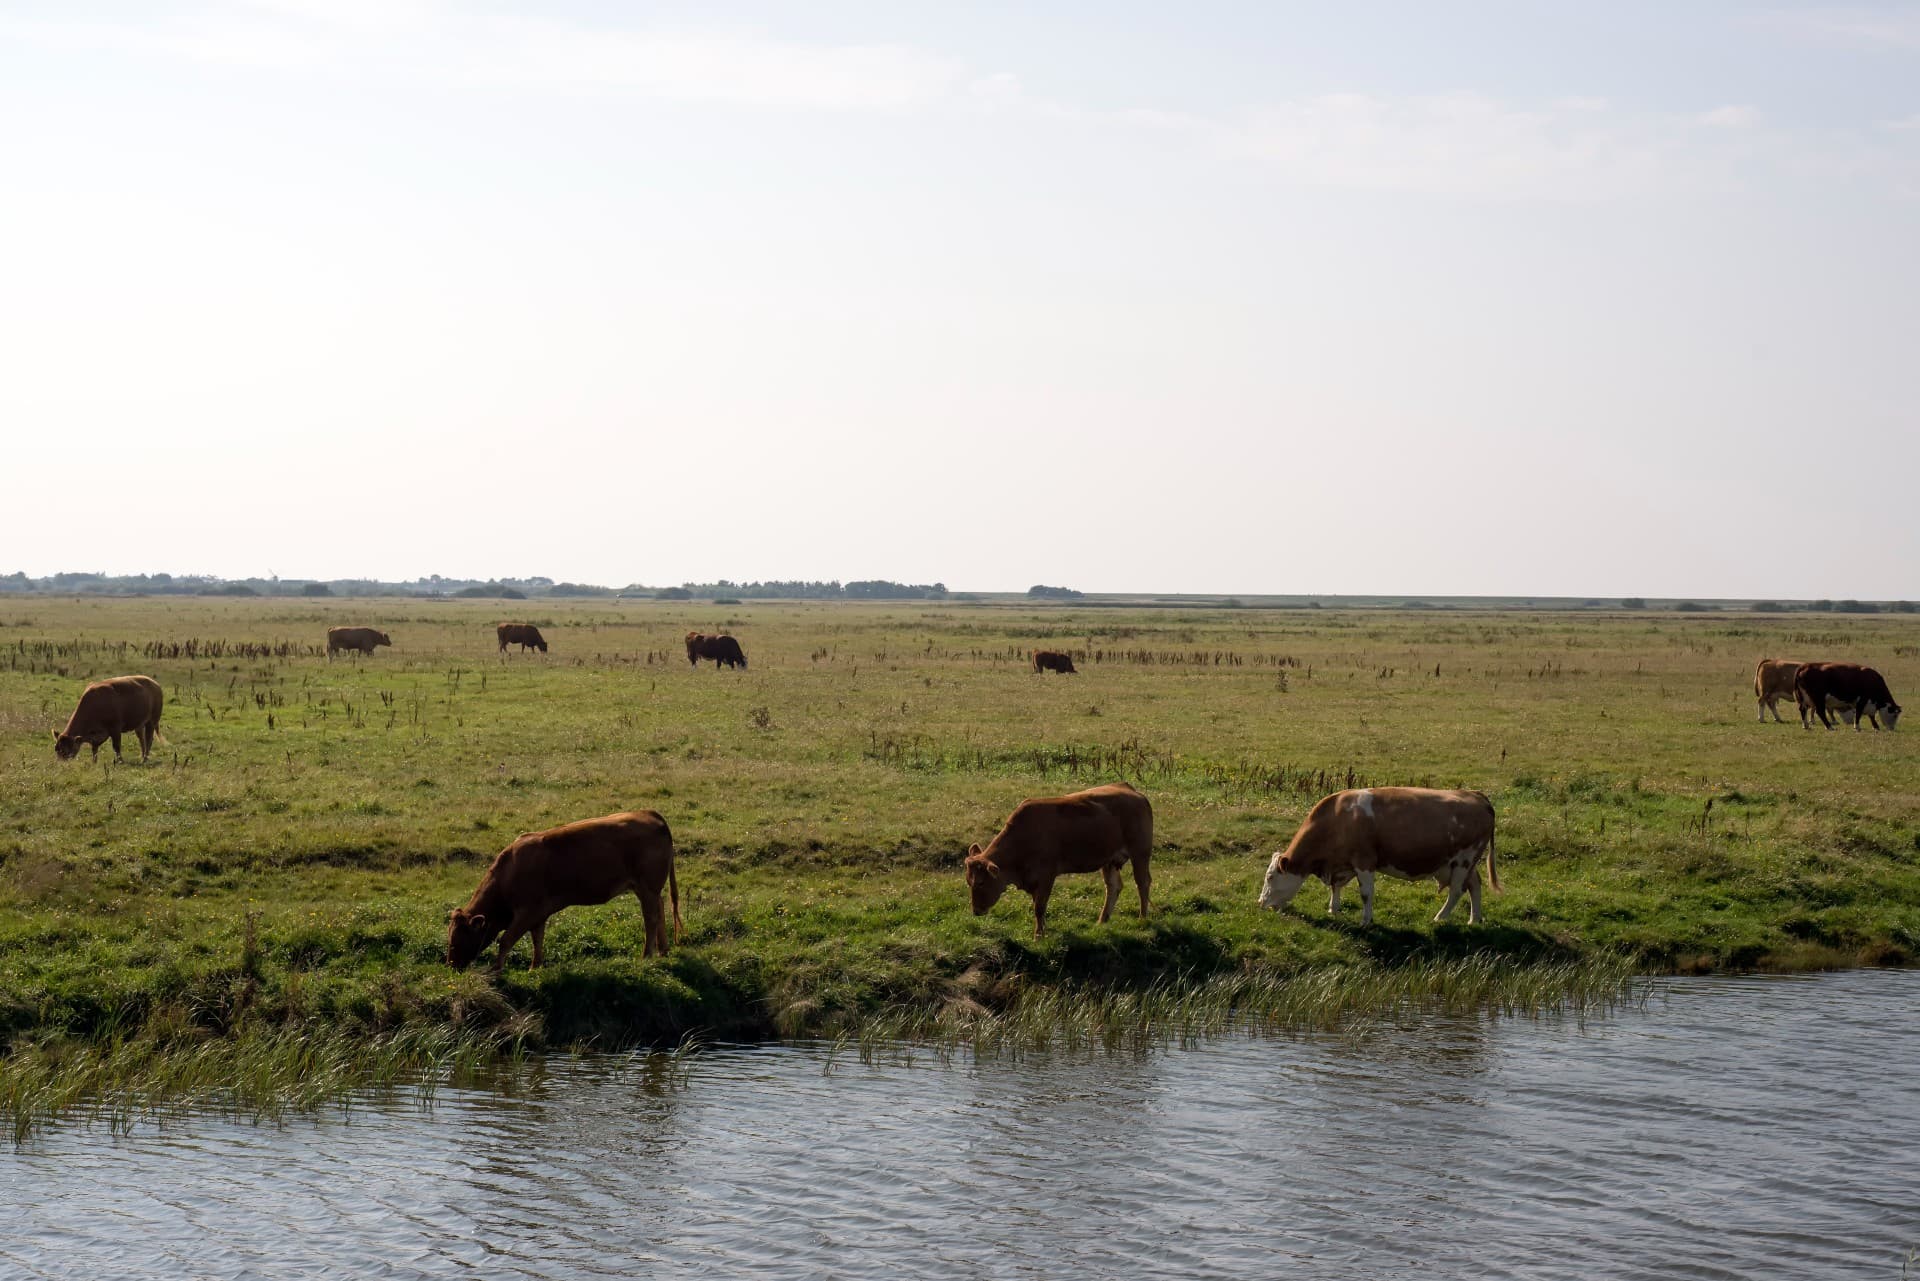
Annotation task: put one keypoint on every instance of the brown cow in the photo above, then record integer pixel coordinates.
(360, 639)
(724, 650)
(1052, 660)
(1773, 679)
(579, 864)
(108, 709)
(1861, 690)
(1097, 830)
(1409, 832)
(525, 635)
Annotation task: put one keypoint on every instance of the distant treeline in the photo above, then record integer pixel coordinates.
(70, 584)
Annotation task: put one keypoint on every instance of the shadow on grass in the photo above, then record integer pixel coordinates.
(645, 1003)
(1392, 945)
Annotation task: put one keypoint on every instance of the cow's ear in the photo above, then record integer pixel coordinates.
(477, 921)
(973, 849)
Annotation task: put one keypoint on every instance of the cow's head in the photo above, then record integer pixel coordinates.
(541, 645)
(468, 934)
(984, 882)
(1889, 714)
(380, 638)
(1284, 879)
(65, 746)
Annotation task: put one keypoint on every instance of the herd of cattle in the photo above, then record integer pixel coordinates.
(1414, 833)
(1857, 693)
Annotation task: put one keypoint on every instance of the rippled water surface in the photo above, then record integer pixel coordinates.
(1731, 1128)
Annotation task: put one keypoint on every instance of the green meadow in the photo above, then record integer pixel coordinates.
(279, 874)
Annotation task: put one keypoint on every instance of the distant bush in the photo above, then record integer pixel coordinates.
(673, 593)
(1634, 602)
(1041, 592)
(1768, 607)
(726, 600)
(1692, 607)
(491, 591)
(236, 589)
(578, 589)
(1856, 607)
(316, 589)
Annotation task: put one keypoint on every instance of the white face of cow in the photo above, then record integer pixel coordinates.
(1280, 886)
(1889, 715)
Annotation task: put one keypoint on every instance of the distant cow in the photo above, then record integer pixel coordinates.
(1821, 687)
(1409, 832)
(1052, 660)
(1773, 679)
(362, 639)
(579, 864)
(108, 709)
(525, 635)
(724, 650)
(1098, 830)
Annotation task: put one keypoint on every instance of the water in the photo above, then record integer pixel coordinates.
(1735, 1128)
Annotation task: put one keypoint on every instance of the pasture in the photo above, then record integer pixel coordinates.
(288, 858)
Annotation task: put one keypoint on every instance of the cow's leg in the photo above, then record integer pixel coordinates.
(145, 734)
(656, 922)
(116, 745)
(1366, 896)
(1041, 893)
(1473, 895)
(509, 936)
(1112, 875)
(1333, 899)
(1458, 868)
(539, 933)
(1142, 881)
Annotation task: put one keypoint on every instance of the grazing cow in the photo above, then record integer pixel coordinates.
(1818, 687)
(724, 650)
(579, 864)
(108, 709)
(1052, 660)
(360, 639)
(1409, 832)
(525, 635)
(1097, 830)
(1773, 680)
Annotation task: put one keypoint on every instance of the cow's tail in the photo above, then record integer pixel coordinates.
(1493, 868)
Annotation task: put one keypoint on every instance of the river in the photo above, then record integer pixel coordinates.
(1728, 1128)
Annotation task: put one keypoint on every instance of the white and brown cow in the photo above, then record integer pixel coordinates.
(1824, 688)
(1409, 832)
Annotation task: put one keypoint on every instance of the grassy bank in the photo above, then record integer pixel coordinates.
(287, 860)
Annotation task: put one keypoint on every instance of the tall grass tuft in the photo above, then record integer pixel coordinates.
(253, 1075)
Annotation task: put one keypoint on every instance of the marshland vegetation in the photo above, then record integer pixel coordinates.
(280, 874)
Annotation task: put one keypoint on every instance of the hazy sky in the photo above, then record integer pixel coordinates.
(1517, 297)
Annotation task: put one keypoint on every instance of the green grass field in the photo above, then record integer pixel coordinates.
(289, 856)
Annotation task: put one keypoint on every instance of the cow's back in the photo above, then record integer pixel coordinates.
(1412, 830)
(117, 705)
(1774, 677)
(1083, 832)
(1131, 810)
(586, 862)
